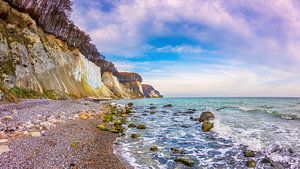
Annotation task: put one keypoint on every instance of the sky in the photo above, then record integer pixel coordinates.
(200, 47)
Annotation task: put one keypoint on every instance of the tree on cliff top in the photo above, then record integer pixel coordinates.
(53, 17)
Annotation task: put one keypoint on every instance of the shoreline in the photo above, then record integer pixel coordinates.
(48, 141)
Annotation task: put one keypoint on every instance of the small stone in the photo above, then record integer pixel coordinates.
(103, 128)
(84, 115)
(206, 116)
(1, 96)
(249, 153)
(130, 104)
(2, 127)
(154, 148)
(14, 111)
(152, 112)
(207, 126)
(75, 144)
(152, 107)
(131, 125)
(76, 116)
(3, 135)
(46, 125)
(167, 105)
(4, 149)
(7, 118)
(184, 161)
(141, 126)
(3, 141)
(135, 135)
(35, 134)
(26, 133)
(251, 164)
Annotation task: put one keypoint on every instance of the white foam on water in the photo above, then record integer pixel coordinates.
(246, 109)
(124, 152)
(239, 136)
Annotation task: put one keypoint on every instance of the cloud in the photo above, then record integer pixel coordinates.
(180, 49)
(231, 47)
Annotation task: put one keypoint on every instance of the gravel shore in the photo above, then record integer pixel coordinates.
(55, 134)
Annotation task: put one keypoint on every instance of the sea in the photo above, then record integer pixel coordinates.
(270, 127)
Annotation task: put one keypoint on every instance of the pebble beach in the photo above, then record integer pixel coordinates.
(55, 134)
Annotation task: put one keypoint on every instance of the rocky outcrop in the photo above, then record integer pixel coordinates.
(32, 59)
(150, 92)
(132, 83)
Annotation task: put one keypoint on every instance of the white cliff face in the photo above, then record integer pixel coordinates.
(89, 72)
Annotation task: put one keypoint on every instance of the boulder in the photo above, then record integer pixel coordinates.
(167, 105)
(206, 116)
(154, 148)
(184, 161)
(248, 153)
(131, 125)
(207, 126)
(130, 104)
(251, 164)
(141, 126)
(134, 135)
(177, 150)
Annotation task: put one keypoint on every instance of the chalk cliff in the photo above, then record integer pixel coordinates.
(32, 59)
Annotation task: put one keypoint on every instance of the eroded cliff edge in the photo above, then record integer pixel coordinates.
(32, 59)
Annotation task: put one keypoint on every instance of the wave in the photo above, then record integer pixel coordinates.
(286, 116)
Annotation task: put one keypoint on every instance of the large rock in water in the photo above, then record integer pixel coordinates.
(206, 116)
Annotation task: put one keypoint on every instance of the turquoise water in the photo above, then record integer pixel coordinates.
(269, 126)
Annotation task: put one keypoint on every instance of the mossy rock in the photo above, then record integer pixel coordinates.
(75, 144)
(154, 148)
(152, 112)
(103, 128)
(131, 125)
(118, 122)
(141, 127)
(207, 126)
(152, 107)
(117, 129)
(248, 153)
(184, 161)
(177, 150)
(251, 164)
(135, 135)
(108, 118)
